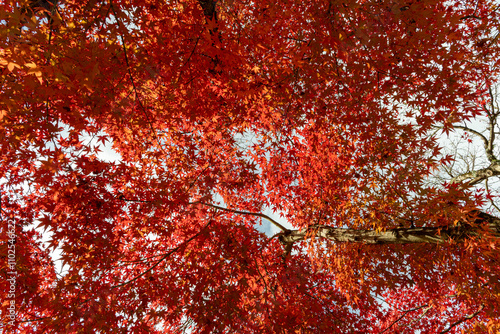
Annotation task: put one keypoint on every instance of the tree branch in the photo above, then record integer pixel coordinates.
(432, 235)
(488, 144)
(478, 175)
(492, 119)
(477, 133)
(490, 199)
(403, 315)
(257, 214)
(458, 322)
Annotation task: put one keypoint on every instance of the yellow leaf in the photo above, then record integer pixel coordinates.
(11, 66)
(35, 70)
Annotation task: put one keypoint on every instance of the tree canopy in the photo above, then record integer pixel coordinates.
(329, 114)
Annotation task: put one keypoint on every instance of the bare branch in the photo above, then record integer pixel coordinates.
(488, 144)
(257, 214)
(477, 133)
(490, 199)
(209, 9)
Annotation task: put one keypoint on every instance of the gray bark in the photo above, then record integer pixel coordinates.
(478, 175)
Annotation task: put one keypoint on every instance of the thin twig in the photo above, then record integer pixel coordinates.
(257, 214)
(421, 316)
(491, 200)
(477, 133)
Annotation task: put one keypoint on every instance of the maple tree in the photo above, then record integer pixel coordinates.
(322, 111)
